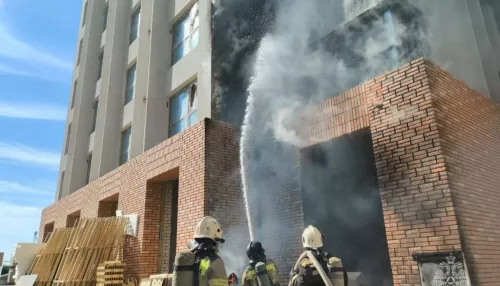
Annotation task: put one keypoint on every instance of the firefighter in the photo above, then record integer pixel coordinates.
(315, 267)
(201, 266)
(253, 275)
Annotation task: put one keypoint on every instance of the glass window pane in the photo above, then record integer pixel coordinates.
(73, 96)
(105, 21)
(178, 53)
(134, 25)
(125, 143)
(193, 118)
(96, 106)
(177, 128)
(194, 39)
(195, 16)
(180, 33)
(79, 52)
(129, 95)
(178, 106)
(84, 13)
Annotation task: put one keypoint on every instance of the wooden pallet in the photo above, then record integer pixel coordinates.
(72, 255)
(158, 280)
(49, 257)
(92, 242)
(110, 273)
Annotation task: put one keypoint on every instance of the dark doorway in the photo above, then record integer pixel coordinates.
(168, 226)
(341, 197)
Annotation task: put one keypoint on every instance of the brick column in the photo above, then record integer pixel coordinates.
(416, 198)
(192, 195)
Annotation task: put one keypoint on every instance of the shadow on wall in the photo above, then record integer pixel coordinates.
(341, 197)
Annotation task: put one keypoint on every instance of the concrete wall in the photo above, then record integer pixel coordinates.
(155, 81)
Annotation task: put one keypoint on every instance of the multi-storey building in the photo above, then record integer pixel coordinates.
(409, 152)
(142, 74)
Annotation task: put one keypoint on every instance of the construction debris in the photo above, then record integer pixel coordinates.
(72, 255)
(110, 273)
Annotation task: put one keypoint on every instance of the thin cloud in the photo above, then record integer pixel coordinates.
(30, 110)
(13, 188)
(19, 222)
(27, 60)
(18, 153)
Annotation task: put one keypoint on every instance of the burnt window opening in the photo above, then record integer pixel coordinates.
(192, 96)
(183, 112)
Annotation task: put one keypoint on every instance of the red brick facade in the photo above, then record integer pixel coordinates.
(469, 126)
(436, 144)
(138, 186)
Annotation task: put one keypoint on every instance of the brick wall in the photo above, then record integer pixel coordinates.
(416, 199)
(165, 228)
(225, 195)
(139, 186)
(469, 126)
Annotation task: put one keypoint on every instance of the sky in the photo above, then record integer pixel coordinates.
(37, 50)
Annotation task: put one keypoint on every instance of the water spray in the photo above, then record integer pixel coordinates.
(244, 156)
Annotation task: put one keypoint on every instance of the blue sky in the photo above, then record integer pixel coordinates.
(37, 50)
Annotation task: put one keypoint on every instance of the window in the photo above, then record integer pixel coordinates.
(129, 94)
(74, 94)
(61, 184)
(99, 72)
(79, 52)
(186, 34)
(125, 145)
(96, 106)
(105, 20)
(68, 135)
(89, 164)
(183, 110)
(134, 25)
(84, 13)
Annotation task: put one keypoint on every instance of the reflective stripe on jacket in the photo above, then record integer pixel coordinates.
(249, 277)
(212, 272)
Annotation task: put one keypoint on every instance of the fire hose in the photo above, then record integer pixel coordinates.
(316, 263)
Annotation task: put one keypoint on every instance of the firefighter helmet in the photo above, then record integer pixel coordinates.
(209, 227)
(312, 238)
(255, 251)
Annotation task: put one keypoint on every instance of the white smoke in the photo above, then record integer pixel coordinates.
(290, 76)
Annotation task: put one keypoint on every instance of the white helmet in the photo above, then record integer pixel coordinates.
(312, 238)
(208, 227)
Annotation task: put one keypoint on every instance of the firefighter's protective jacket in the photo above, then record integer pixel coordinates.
(212, 271)
(308, 275)
(249, 276)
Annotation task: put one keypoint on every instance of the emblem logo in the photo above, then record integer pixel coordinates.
(450, 273)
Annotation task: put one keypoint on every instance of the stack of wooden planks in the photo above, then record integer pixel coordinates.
(79, 251)
(49, 256)
(110, 273)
